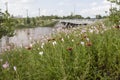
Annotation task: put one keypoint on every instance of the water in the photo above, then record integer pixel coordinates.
(24, 37)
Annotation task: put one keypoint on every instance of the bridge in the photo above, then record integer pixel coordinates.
(68, 23)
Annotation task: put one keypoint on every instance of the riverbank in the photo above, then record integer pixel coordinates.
(73, 54)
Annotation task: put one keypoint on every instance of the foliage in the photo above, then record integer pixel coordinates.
(115, 16)
(115, 13)
(6, 24)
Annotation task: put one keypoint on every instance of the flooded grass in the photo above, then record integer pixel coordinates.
(92, 53)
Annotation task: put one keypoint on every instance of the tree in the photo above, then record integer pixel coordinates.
(115, 1)
(115, 13)
(98, 16)
(87, 17)
(6, 24)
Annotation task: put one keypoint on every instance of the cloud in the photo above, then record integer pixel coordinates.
(61, 3)
(62, 7)
(96, 8)
(94, 4)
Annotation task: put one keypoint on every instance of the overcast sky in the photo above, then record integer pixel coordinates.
(59, 7)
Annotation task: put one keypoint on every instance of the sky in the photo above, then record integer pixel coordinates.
(56, 7)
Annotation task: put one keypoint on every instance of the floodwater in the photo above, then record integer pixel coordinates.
(24, 37)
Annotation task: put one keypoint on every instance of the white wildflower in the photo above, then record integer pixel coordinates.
(41, 53)
(31, 45)
(62, 40)
(54, 43)
(82, 43)
(42, 45)
(15, 68)
(87, 39)
(91, 31)
(72, 40)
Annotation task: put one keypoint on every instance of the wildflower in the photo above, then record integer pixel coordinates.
(31, 45)
(82, 43)
(72, 40)
(87, 39)
(41, 53)
(6, 65)
(62, 40)
(15, 68)
(42, 45)
(54, 43)
(83, 31)
(91, 31)
(70, 49)
(88, 44)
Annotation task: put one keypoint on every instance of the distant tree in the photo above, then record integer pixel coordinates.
(33, 21)
(98, 16)
(73, 17)
(78, 17)
(28, 20)
(88, 17)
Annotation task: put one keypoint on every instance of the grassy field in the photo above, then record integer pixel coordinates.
(91, 53)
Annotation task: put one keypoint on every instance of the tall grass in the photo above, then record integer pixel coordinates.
(77, 55)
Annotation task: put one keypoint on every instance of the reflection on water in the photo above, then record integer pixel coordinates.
(24, 37)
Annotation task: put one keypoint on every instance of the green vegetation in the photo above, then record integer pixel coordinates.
(115, 13)
(6, 24)
(76, 54)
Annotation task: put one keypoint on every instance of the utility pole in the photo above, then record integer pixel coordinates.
(27, 13)
(74, 11)
(6, 4)
(39, 12)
